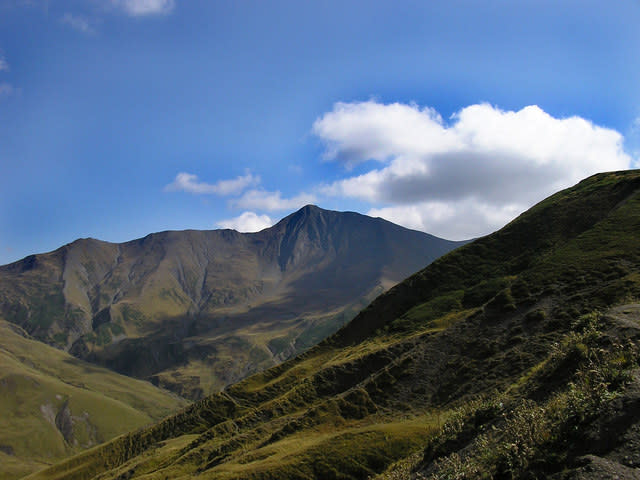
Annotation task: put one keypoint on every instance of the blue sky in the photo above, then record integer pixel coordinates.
(123, 117)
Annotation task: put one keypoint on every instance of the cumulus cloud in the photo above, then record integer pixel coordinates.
(356, 132)
(187, 182)
(271, 201)
(474, 172)
(457, 220)
(77, 22)
(138, 8)
(247, 222)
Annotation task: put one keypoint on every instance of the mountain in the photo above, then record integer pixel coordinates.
(515, 356)
(196, 310)
(54, 405)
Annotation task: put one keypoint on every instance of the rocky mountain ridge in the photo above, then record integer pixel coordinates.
(196, 310)
(514, 356)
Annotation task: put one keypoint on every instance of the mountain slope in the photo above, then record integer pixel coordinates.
(196, 310)
(54, 405)
(497, 360)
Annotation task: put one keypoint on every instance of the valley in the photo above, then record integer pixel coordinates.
(498, 359)
(190, 312)
(285, 240)
(194, 311)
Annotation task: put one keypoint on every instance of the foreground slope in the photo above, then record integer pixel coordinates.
(196, 310)
(497, 360)
(54, 405)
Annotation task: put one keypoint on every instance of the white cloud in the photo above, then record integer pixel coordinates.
(356, 132)
(454, 220)
(271, 201)
(188, 182)
(468, 177)
(77, 22)
(4, 65)
(247, 222)
(139, 8)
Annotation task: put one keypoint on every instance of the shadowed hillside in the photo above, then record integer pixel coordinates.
(196, 310)
(512, 357)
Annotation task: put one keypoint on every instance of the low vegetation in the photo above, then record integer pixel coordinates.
(511, 357)
(523, 433)
(55, 405)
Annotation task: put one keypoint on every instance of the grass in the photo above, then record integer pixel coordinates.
(13, 467)
(37, 381)
(493, 334)
(355, 450)
(513, 435)
(348, 453)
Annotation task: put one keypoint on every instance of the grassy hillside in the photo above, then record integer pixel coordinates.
(54, 405)
(512, 357)
(194, 311)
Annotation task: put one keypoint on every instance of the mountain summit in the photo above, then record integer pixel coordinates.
(196, 310)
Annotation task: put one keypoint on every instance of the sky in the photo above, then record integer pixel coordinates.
(120, 118)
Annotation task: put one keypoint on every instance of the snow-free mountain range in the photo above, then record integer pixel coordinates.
(193, 311)
(513, 356)
(190, 311)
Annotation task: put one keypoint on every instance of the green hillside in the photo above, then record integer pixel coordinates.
(514, 356)
(54, 405)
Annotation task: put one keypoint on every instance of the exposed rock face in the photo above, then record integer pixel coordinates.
(64, 423)
(7, 449)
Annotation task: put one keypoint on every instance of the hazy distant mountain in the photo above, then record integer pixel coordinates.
(515, 356)
(197, 310)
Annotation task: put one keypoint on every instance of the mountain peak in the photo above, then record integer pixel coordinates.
(305, 218)
(308, 210)
(96, 298)
(500, 337)
(310, 207)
